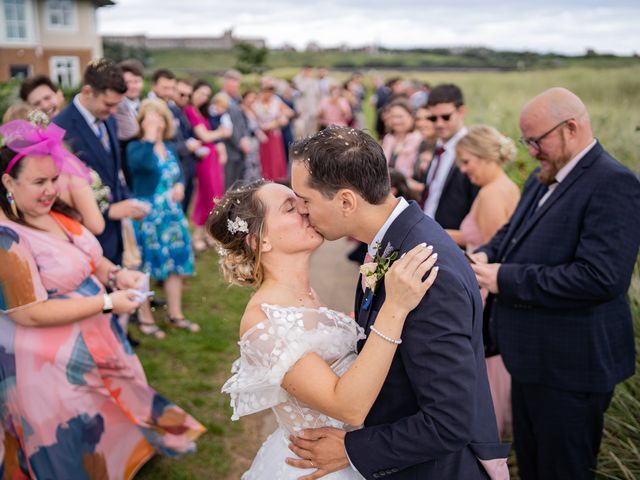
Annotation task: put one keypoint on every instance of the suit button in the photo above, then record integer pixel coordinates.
(514, 241)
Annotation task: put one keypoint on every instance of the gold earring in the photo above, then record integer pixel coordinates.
(12, 203)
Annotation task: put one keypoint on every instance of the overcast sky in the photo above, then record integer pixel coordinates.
(564, 26)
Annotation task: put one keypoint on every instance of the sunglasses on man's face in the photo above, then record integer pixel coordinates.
(446, 117)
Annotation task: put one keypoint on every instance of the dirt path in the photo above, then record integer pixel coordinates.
(334, 279)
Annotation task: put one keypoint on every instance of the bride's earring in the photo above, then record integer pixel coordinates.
(12, 203)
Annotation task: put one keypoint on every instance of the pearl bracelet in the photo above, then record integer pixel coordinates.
(384, 337)
(111, 277)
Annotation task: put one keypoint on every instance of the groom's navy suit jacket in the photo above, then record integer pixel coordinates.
(434, 414)
(84, 143)
(561, 317)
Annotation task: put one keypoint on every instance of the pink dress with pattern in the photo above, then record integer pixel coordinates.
(209, 173)
(74, 399)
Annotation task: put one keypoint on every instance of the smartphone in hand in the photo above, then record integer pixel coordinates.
(470, 258)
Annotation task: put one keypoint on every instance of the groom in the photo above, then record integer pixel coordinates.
(434, 417)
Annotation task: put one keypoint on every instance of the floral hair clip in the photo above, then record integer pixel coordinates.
(238, 225)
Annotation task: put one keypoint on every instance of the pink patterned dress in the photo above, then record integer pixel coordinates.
(74, 400)
(209, 173)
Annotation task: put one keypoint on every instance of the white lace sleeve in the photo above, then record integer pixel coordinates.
(270, 348)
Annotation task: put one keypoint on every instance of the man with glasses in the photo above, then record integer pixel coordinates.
(558, 280)
(448, 193)
(188, 146)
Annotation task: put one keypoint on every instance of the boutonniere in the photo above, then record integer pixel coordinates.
(374, 271)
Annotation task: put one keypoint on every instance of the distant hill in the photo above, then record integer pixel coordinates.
(203, 61)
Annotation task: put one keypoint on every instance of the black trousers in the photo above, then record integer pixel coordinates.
(557, 433)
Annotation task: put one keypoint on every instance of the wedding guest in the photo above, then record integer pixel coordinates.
(558, 274)
(127, 111)
(75, 191)
(448, 194)
(272, 115)
(334, 109)
(287, 94)
(237, 145)
(75, 402)
(307, 103)
(481, 155)
(91, 134)
(163, 235)
(188, 158)
(356, 97)
(401, 144)
(253, 168)
(41, 93)
(425, 151)
(209, 170)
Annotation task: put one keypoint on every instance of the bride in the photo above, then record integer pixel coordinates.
(298, 357)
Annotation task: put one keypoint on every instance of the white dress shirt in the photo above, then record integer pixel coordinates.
(377, 240)
(564, 172)
(447, 159)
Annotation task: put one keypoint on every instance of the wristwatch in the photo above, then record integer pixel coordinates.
(107, 307)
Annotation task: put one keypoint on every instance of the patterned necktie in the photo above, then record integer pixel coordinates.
(103, 135)
(367, 259)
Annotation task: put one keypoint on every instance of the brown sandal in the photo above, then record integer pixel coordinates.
(183, 323)
(151, 330)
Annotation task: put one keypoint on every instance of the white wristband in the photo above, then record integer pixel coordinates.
(107, 306)
(384, 337)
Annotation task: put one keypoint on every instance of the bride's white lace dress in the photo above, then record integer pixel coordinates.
(267, 351)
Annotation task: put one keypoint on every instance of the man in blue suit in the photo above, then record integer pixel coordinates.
(558, 279)
(92, 136)
(433, 418)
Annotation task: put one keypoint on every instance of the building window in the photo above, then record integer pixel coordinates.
(19, 71)
(65, 71)
(15, 17)
(60, 14)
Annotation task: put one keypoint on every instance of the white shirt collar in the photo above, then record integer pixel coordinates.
(566, 170)
(450, 145)
(86, 114)
(377, 240)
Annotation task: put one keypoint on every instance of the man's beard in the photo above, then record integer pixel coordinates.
(548, 177)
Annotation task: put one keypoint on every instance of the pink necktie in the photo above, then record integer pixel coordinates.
(367, 259)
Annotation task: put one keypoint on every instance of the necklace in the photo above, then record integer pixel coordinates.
(309, 293)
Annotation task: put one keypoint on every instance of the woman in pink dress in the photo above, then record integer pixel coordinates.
(209, 170)
(74, 400)
(272, 114)
(402, 143)
(481, 155)
(334, 109)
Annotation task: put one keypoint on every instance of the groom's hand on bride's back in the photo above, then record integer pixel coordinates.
(319, 448)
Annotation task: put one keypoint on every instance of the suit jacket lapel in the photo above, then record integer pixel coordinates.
(563, 187)
(395, 236)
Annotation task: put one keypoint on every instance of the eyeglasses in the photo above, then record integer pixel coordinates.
(535, 142)
(446, 117)
(183, 95)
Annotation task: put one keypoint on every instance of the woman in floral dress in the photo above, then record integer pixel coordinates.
(74, 400)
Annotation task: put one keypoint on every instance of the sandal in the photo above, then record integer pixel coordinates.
(151, 330)
(183, 323)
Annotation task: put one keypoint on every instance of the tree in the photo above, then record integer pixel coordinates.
(249, 58)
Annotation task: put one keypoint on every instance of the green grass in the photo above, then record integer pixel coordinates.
(189, 369)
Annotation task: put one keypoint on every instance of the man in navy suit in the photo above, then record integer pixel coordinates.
(92, 136)
(558, 279)
(448, 193)
(433, 418)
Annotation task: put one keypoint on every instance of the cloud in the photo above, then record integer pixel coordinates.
(566, 26)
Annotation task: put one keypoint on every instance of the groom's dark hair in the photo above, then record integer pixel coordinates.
(342, 157)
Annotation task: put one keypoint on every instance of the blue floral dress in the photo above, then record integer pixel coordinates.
(163, 235)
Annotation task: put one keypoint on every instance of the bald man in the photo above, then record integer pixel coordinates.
(558, 275)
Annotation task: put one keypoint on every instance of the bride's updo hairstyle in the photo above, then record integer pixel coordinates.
(236, 223)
